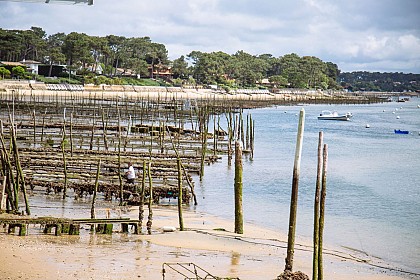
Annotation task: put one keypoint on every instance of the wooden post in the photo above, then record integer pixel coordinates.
(252, 135)
(3, 191)
(71, 134)
(150, 217)
(247, 137)
(204, 130)
(74, 229)
(43, 125)
(108, 228)
(294, 197)
(119, 158)
(242, 128)
(104, 130)
(23, 229)
(316, 209)
(95, 190)
(238, 189)
(34, 128)
(92, 132)
(322, 212)
(64, 162)
(12, 195)
(214, 136)
(181, 221)
(19, 170)
(142, 191)
(230, 137)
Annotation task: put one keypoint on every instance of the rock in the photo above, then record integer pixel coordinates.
(168, 229)
(288, 275)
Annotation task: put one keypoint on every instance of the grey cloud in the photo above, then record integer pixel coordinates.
(369, 34)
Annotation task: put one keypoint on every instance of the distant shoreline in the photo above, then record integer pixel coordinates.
(25, 91)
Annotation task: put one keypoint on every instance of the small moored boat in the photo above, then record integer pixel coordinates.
(398, 131)
(328, 115)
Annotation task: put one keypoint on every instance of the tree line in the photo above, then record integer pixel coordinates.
(141, 57)
(376, 81)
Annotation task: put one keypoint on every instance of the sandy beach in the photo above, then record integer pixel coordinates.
(208, 242)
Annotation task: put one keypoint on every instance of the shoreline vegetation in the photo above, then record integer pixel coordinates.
(208, 241)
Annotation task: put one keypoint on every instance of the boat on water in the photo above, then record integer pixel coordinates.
(398, 131)
(404, 99)
(328, 115)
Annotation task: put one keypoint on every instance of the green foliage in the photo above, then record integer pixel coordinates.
(102, 80)
(19, 71)
(180, 68)
(278, 80)
(368, 81)
(141, 57)
(4, 73)
(138, 82)
(61, 80)
(177, 82)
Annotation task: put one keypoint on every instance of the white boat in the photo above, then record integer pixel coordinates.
(328, 115)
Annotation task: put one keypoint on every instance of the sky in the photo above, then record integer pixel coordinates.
(357, 35)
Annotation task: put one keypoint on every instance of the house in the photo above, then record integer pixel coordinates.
(10, 64)
(160, 70)
(31, 66)
(97, 68)
(45, 69)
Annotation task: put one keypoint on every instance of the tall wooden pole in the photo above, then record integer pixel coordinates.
(71, 134)
(95, 190)
(294, 198)
(142, 191)
(34, 128)
(316, 209)
(181, 221)
(150, 216)
(239, 228)
(119, 157)
(322, 212)
(19, 170)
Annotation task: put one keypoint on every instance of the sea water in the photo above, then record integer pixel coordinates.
(373, 178)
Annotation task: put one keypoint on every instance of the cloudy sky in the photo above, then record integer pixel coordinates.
(366, 35)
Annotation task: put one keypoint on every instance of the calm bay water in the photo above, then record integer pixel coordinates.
(373, 184)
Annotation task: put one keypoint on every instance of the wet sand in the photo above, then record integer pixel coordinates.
(257, 254)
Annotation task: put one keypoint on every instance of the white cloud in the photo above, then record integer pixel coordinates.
(357, 35)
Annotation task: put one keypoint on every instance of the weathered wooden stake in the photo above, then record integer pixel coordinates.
(119, 157)
(142, 191)
(294, 197)
(238, 189)
(93, 131)
(33, 112)
(181, 221)
(316, 209)
(43, 125)
(19, 174)
(150, 217)
(64, 162)
(104, 130)
(322, 212)
(95, 190)
(71, 134)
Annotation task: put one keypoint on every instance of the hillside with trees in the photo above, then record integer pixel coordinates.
(133, 60)
(375, 81)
